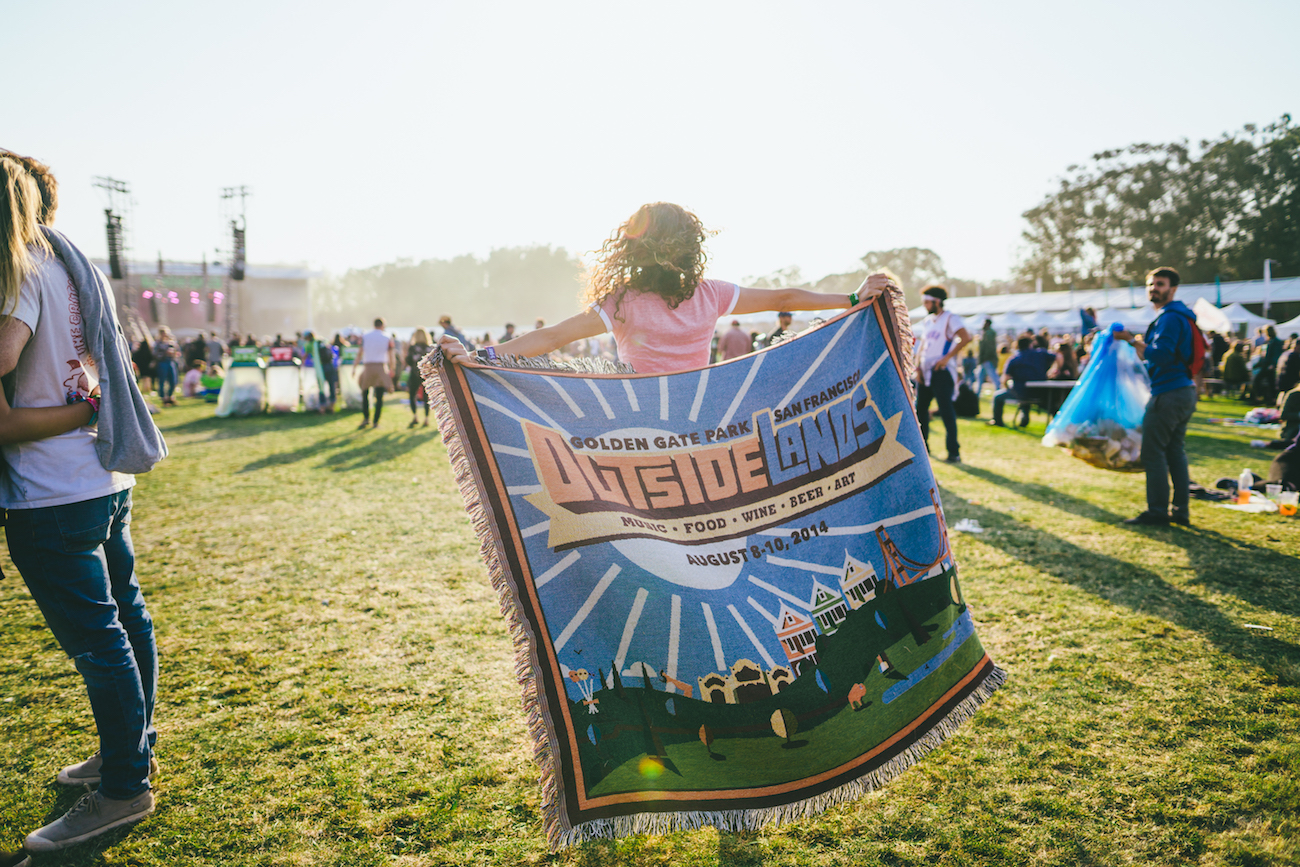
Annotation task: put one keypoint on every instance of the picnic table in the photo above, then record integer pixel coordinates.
(1050, 393)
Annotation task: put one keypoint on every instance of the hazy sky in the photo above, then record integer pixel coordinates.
(807, 133)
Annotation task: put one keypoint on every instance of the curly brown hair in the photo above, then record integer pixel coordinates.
(658, 249)
(45, 182)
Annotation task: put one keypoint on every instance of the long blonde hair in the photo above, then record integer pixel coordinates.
(20, 208)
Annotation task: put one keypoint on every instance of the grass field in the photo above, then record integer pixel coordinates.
(336, 680)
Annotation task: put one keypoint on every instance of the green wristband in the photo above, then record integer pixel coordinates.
(853, 299)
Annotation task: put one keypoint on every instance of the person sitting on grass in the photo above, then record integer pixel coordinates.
(1029, 364)
(649, 289)
(1288, 366)
(192, 384)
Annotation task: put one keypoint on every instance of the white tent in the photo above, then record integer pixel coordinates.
(1041, 319)
(1238, 315)
(1211, 318)
(1286, 329)
(1068, 322)
(1132, 317)
(1009, 322)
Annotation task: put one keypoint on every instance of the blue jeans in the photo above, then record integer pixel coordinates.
(79, 564)
(1164, 431)
(1000, 400)
(988, 370)
(940, 391)
(166, 379)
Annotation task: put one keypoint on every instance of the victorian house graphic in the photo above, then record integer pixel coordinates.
(798, 631)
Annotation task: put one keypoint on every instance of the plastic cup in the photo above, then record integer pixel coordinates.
(1288, 502)
(1272, 491)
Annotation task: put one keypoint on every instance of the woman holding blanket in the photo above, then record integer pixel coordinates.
(648, 289)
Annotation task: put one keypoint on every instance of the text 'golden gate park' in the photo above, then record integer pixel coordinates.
(740, 485)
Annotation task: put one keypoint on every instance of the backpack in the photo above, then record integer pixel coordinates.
(1200, 346)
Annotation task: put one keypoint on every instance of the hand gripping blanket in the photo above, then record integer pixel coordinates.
(730, 589)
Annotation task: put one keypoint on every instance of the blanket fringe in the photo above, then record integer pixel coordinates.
(579, 364)
(467, 478)
(897, 309)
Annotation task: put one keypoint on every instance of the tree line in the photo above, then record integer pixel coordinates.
(1215, 210)
(1218, 210)
(518, 282)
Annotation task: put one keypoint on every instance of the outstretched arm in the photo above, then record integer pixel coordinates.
(585, 324)
(31, 423)
(762, 300)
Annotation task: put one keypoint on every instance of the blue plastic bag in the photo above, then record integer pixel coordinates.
(1101, 420)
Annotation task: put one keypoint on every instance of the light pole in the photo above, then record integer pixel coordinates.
(1268, 279)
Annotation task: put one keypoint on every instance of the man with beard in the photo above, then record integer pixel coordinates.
(941, 337)
(1167, 350)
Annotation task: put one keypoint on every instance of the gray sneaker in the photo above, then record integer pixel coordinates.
(87, 773)
(89, 817)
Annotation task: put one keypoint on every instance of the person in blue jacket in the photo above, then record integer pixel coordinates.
(1167, 352)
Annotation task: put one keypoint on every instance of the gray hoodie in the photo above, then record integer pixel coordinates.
(128, 440)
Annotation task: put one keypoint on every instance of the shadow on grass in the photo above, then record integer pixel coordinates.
(1134, 587)
(1260, 576)
(369, 452)
(1053, 497)
(1254, 574)
(291, 457)
(246, 426)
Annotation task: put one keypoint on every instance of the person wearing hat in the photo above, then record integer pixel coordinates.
(782, 331)
(940, 338)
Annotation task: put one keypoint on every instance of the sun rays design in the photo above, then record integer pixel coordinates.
(587, 594)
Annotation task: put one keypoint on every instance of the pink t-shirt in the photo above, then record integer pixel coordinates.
(654, 338)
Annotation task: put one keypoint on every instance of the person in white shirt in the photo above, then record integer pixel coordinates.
(375, 372)
(940, 338)
(68, 519)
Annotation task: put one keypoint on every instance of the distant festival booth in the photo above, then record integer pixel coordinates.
(243, 392)
(283, 381)
(731, 589)
(348, 388)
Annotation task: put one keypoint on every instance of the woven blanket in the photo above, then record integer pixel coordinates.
(731, 589)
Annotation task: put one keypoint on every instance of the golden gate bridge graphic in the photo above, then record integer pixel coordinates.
(901, 570)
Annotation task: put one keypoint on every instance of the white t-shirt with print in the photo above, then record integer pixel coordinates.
(61, 469)
(936, 335)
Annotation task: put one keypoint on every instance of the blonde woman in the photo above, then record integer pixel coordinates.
(68, 527)
(24, 250)
(415, 350)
